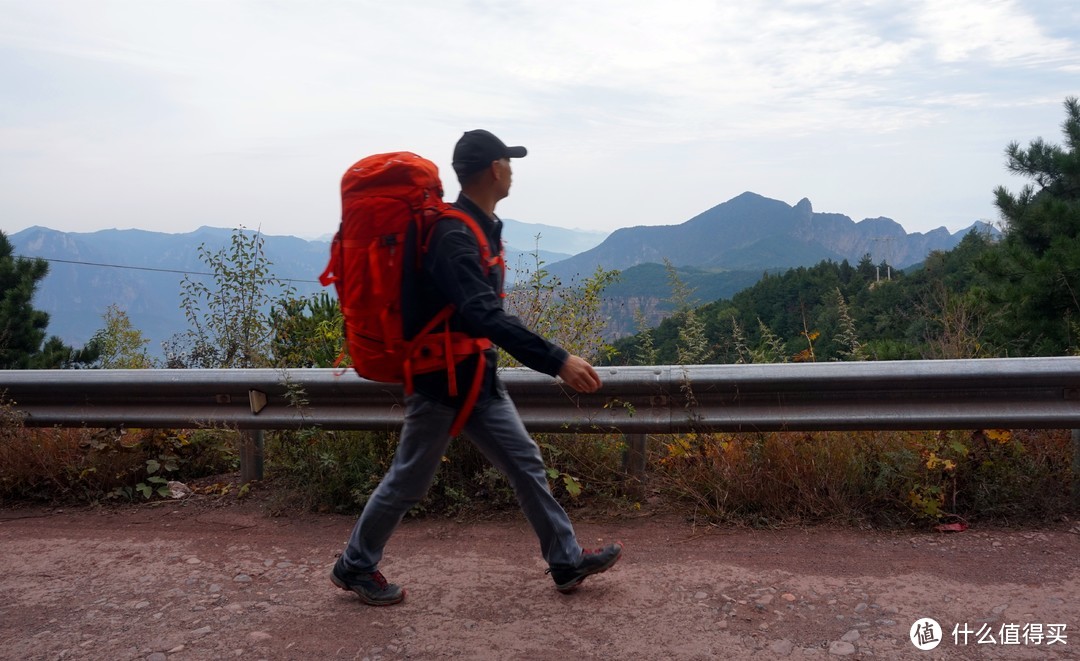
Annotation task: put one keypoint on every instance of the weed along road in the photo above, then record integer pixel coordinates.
(195, 580)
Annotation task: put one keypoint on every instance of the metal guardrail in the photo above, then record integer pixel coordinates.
(1025, 393)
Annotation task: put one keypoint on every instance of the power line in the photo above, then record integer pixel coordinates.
(142, 268)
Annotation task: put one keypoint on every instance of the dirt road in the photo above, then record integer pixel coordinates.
(183, 581)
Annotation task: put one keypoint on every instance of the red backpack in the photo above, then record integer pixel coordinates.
(381, 197)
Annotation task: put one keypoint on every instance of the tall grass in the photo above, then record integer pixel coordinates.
(86, 465)
(883, 478)
(867, 477)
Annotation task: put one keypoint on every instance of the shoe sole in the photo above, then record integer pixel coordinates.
(338, 583)
(567, 588)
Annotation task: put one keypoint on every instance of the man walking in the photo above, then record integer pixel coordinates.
(452, 273)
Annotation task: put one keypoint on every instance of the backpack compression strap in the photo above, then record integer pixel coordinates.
(452, 345)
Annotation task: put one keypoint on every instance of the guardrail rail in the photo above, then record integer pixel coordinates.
(1020, 393)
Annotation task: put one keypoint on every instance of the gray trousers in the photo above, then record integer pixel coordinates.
(497, 431)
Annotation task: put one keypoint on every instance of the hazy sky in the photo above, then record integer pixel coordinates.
(171, 114)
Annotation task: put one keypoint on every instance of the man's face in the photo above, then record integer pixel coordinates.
(503, 175)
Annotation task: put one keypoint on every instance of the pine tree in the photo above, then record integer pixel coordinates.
(1037, 271)
(22, 328)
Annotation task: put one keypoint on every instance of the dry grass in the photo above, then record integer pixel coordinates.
(757, 479)
(878, 477)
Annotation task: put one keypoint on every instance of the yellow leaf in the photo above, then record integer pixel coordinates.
(1000, 435)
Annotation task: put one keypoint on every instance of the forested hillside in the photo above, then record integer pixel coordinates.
(1017, 296)
(835, 311)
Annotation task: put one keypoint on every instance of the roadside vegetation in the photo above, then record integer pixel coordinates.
(1010, 296)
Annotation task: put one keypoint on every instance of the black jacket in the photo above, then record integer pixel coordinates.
(450, 271)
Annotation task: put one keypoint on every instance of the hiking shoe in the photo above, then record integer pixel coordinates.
(373, 588)
(568, 577)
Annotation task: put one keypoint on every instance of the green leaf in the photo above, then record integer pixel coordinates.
(144, 489)
(552, 473)
(548, 446)
(152, 466)
(573, 487)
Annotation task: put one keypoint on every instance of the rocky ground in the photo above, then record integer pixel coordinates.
(190, 580)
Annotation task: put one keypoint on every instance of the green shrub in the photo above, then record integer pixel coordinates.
(338, 471)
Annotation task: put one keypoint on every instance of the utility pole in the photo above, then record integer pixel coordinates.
(887, 240)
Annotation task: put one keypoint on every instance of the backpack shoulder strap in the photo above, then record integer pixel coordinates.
(488, 258)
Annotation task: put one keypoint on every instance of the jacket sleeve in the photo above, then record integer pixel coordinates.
(453, 262)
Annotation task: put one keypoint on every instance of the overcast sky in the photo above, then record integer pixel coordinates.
(171, 114)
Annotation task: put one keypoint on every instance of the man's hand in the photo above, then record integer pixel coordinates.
(577, 373)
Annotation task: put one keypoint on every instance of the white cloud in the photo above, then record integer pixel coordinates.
(998, 31)
(257, 107)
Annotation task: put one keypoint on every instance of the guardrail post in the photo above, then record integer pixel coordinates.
(251, 455)
(1076, 468)
(634, 462)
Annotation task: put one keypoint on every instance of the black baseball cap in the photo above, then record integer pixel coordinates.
(478, 148)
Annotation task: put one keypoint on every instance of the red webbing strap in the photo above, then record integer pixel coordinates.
(378, 287)
(329, 276)
(486, 259)
(470, 400)
(338, 369)
(464, 345)
(375, 273)
(443, 316)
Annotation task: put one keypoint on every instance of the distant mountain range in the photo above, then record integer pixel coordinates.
(751, 232)
(720, 252)
(559, 241)
(141, 271)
